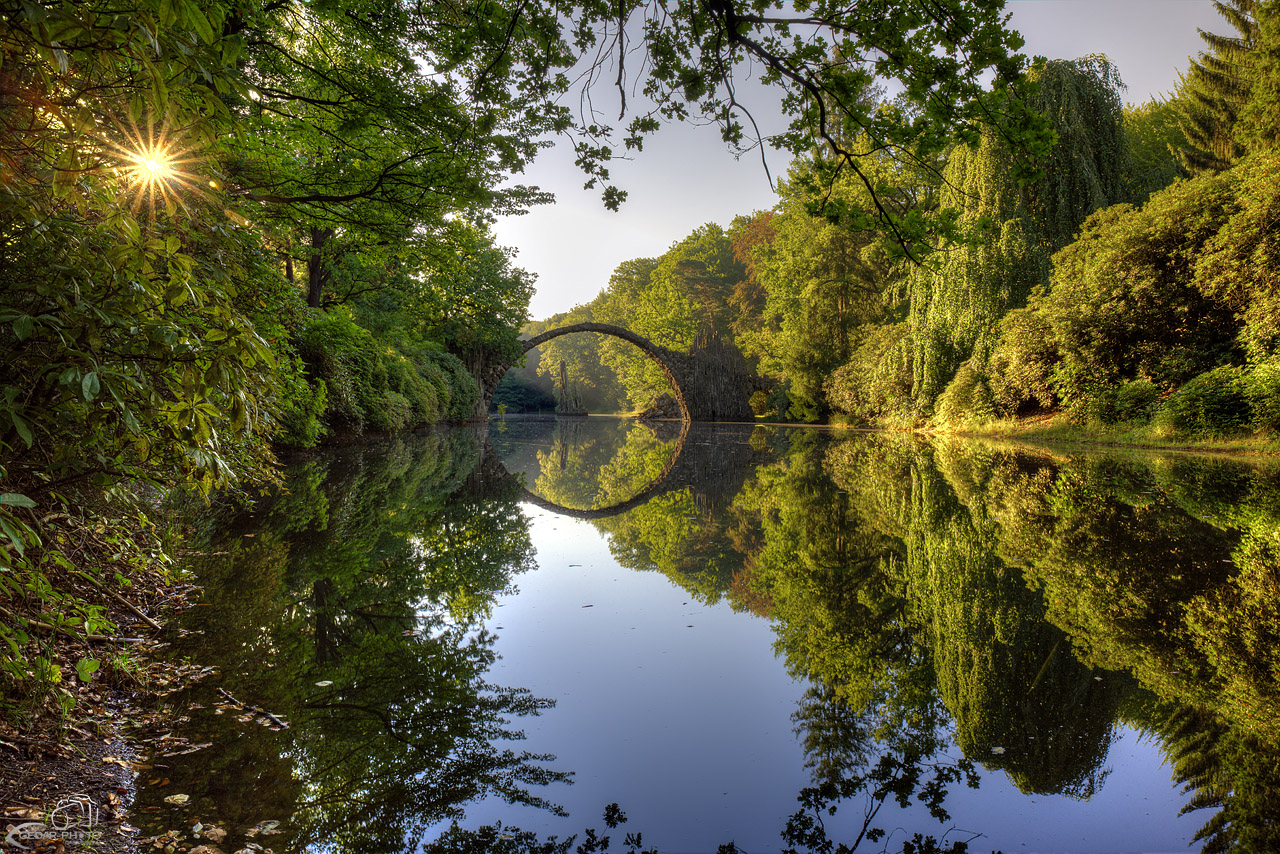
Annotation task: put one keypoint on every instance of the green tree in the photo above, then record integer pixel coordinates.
(956, 303)
(1153, 136)
(822, 60)
(370, 132)
(823, 282)
(1259, 121)
(1215, 88)
(596, 381)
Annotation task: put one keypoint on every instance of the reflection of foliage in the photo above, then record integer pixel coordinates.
(671, 535)
(913, 582)
(349, 607)
(590, 465)
(1229, 770)
(1143, 567)
(839, 616)
(1020, 699)
(910, 734)
(497, 839)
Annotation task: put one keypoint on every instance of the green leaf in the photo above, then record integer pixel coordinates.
(85, 668)
(24, 429)
(90, 385)
(19, 541)
(199, 22)
(23, 327)
(14, 499)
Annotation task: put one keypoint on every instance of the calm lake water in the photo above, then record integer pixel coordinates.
(782, 638)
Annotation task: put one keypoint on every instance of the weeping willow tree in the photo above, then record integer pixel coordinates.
(957, 301)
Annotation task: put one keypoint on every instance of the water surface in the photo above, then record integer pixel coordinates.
(730, 632)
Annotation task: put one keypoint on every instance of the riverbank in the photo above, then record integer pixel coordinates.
(86, 677)
(1055, 429)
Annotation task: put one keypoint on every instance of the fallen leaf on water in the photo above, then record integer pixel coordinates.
(177, 800)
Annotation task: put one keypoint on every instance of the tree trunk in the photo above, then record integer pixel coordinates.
(317, 272)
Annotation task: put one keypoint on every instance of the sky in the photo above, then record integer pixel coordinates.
(685, 177)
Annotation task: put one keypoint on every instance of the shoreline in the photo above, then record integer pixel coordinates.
(98, 747)
(1034, 432)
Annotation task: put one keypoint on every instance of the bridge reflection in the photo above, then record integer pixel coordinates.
(711, 460)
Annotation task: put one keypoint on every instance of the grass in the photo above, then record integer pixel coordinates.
(1059, 429)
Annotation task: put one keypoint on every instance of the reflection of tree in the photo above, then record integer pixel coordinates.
(1021, 700)
(600, 466)
(1143, 567)
(349, 608)
(839, 616)
(1229, 770)
(895, 746)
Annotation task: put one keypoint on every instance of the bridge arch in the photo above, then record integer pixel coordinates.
(668, 361)
(654, 488)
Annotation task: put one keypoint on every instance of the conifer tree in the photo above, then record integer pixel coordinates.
(1259, 126)
(1215, 89)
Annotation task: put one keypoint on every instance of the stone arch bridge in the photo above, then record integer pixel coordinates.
(710, 383)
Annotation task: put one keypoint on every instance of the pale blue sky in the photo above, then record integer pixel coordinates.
(685, 177)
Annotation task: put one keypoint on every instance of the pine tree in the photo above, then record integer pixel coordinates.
(1215, 89)
(1259, 125)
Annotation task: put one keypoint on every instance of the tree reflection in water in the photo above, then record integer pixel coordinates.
(351, 605)
(951, 604)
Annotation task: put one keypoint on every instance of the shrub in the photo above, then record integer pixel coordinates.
(373, 386)
(1021, 367)
(341, 355)
(301, 407)
(1211, 404)
(876, 383)
(1136, 401)
(463, 390)
(1124, 300)
(1262, 388)
(966, 398)
(396, 413)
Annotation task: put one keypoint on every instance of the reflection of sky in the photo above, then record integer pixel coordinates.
(681, 714)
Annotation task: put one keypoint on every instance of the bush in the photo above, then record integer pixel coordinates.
(340, 354)
(372, 386)
(396, 412)
(1125, 302)
(301, 407)
(1262, 388)
(876, 382)
(1021, 367)
(464, 391)
(1135, 401)
(1213, 403)
(966, 398)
